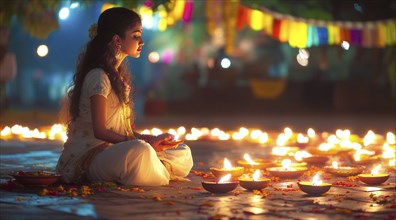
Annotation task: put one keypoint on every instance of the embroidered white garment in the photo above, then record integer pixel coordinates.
(132, 162)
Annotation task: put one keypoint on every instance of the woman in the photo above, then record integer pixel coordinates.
(101, 144)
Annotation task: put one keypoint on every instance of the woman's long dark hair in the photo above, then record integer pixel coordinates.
(100, 52)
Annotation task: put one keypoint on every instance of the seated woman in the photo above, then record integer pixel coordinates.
(101, 144)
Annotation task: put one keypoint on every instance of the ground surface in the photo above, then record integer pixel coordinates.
(188, 200)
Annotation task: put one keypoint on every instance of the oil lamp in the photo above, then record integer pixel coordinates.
(257, 163)
(227, 169)
(344, 171)
(314, 188)
(286, 171)
(375, 178)
(224, 185)
(255, 182)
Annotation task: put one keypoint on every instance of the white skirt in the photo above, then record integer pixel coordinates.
(135, 162)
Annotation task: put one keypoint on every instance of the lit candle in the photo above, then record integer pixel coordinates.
(227, 169)
(374, 178)
(254, 183)
(344, 171)
(286, 171)
(257, 163)
(316, 187)
(224, 185)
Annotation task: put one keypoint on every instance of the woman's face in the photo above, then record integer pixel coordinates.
(132, 43)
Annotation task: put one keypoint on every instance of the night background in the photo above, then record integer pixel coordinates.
(186, 76)
(298, 95)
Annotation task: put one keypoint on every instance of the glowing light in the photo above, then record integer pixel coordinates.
(64, 13)
(311, 133)
(300, 155)
(42, 50)
(286, 163)
(225, 63)
(280, 151)
(74, 5)
(302, 139)
(302, 61)
(390, 138)
(375, 170)
(181, 130)
(227, 164)
(225, 178)
(156, 131)
(263, 138)
(345, 45)
(255, 134)
(248, 159)
(256, 175)
(6, 131)
(316, 180)
(388, 151)
(167, 56)
(369, 138)
(335, 165)
(303, 53)
(153, 57)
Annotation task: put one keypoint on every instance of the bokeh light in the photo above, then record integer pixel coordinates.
(345, 45)
(42, 50)
(225, 63)
(64, 13)
(153, 57)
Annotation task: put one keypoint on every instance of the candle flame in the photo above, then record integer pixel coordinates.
(256, 175)
(375, 170)
(390, 138)
(316, 180)
(392, 162)
(311, 133)
(248, 159)
(300, 155)
(286, 163)
(225, 178)
(369, 138)
(227, 164)
(335, 165)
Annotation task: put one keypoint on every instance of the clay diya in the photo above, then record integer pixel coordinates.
(227, 169)
(314, 188)
(316, 159)
(344, 171)
(255, 164)
(255, 182)
(375, 178)
(363, 159)
(35, 178)
(224, 185)
(286, 171)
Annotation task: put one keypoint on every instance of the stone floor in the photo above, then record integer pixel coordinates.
(187, 200)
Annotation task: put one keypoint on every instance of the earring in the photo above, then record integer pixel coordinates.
(118, 54)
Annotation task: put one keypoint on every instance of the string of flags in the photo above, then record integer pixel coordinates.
(305, 33)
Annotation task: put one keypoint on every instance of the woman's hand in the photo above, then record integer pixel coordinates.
(163, 142)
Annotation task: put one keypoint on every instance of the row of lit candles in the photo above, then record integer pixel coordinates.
(257, 182)
(343, 138)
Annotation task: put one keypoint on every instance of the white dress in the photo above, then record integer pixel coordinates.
(132, 162)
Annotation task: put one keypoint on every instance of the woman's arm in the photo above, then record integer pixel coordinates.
(99, 113)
